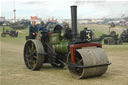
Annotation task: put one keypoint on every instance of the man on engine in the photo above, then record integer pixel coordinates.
(42, 28)
(33, 30)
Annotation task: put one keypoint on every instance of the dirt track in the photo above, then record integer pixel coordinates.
(14, 72)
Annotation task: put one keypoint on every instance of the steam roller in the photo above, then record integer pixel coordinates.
(66, 47)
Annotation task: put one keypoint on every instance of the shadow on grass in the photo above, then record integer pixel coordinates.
(49, 67)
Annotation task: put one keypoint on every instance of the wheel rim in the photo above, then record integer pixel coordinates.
(76, 71)
(30, 55)
(111, 42)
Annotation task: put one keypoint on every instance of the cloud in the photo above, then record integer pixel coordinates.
(34, 2)
(82, 2)
(61, 8)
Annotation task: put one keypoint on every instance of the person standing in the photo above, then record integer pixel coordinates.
(33, 29)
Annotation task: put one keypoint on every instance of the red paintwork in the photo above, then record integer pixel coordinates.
(38, 38)
(74, 47)
(49, 33)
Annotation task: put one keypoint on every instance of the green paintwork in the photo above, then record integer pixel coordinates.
(62, 47)
(54, 38)
(58, 43)
(62, 33)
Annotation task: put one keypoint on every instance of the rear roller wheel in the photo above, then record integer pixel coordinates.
(32, 54)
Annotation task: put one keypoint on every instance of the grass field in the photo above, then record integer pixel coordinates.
(14, 72)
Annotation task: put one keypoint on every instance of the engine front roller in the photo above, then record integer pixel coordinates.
(87, 62)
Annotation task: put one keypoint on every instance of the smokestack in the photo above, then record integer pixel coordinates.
(74, 21)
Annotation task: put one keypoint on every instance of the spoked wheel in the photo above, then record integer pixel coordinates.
(119, 42)
(32, 55)
(111, 42)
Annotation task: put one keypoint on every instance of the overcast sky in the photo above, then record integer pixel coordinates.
(61, 8)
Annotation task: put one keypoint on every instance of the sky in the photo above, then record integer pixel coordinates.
(61, 8)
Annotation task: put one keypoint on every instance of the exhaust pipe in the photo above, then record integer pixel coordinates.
(74, 21)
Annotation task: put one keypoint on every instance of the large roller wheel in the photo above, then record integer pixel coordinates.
(88, 57)
(33, 54)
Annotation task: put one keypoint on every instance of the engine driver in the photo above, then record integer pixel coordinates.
(33, 29)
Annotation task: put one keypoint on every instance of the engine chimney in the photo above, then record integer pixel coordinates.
(74, 21)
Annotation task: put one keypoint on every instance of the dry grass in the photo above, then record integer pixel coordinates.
(14, 72)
